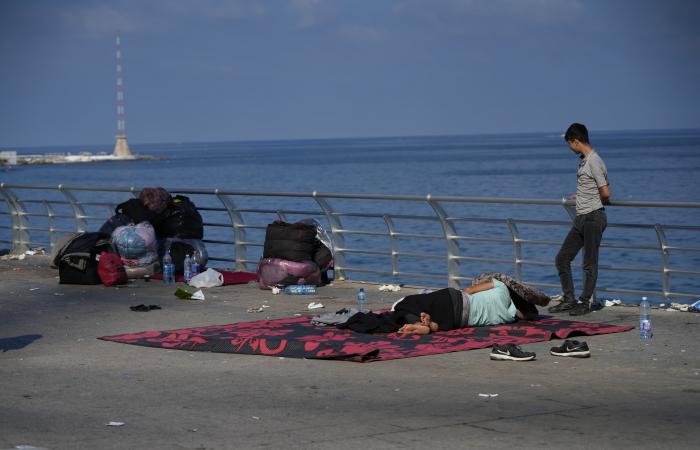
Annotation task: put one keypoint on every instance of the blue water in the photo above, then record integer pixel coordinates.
(642, 165)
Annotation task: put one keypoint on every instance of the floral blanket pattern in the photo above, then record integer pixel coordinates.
(298, 338)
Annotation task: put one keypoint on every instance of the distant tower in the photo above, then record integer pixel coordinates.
(121, 148)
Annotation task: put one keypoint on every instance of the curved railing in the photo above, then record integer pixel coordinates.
(391, 236)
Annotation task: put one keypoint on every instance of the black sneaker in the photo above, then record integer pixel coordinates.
(574, 349)
(584, 307)
(510, 352)
(565, 305)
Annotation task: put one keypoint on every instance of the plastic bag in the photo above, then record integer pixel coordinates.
(280, 272)
(111, 270)
(208, 278)
(136, 244)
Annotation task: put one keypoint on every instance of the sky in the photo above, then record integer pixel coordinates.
(229, 70)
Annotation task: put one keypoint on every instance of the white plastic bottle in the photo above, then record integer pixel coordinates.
(168, 268)
(361, 298)
(300, 289)
(187, 271)
(645, 320)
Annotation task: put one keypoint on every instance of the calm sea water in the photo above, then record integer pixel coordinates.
(642, 165)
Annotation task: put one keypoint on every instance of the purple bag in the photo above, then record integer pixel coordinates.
(280, 272)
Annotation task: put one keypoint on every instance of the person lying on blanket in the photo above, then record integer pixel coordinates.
(483, 304)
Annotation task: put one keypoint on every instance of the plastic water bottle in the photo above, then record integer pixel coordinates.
(187, 271)
(168, 269)
(195, 266)
(361, 298)
(300, 289)
(645, 320)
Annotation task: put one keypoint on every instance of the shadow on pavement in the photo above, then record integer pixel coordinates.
(18, 342)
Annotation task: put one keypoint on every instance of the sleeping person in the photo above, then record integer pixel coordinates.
(483, 304)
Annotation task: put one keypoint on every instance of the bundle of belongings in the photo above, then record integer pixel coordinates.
(295, 253)
(132, 242)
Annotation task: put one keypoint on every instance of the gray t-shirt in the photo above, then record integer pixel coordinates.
(591, 176)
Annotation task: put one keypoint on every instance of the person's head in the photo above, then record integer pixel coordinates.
(426, 320)
(577, 137)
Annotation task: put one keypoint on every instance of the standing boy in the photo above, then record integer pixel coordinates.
(592, 192)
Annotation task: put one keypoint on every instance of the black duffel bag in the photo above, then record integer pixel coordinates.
(290, 241)
(78, 258)
(180, 219)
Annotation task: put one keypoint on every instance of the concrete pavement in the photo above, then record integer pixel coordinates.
(59, 385)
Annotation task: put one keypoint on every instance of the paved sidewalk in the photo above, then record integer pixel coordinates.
(59, 385)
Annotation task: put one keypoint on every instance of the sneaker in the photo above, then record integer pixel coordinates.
(584, 307)
(574, 349)
(510, 352)
(565, 305)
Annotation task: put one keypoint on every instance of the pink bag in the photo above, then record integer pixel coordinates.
(111, 270)
(280, 272)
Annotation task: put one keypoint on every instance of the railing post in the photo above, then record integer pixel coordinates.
(453, 250)
(80, 222)
(570, 210)
(336, 237)
(394, 245)
(239, 234)
(663, 246)
(20, 224)
(518, 249)
(52, 223)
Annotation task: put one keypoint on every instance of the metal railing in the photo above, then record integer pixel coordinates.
(40, 214)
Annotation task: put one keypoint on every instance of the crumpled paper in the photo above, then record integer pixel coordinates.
(389, 288)
(613, 302)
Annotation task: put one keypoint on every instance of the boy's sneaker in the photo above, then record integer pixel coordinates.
(565, 305)
(584, 307)
(510, 352)
(574, 349)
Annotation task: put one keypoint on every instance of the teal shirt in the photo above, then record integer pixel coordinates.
(492, 307)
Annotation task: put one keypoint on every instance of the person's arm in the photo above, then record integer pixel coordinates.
(605, 194)
(479, 287)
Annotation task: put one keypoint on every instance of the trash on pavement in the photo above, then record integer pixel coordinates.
(315, 305)
(613, 302)
(389, 288)
(488, 395)
(115, 424)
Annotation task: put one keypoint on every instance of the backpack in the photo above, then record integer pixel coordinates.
(78, 259)
(180, 219)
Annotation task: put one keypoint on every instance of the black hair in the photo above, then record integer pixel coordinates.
(577, 131)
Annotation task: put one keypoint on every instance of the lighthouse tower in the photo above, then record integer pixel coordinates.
(121, 147)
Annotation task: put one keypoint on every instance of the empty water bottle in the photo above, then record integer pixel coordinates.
(168, 269)
(645, 319)
(300, 289)
(195, 266)
(187, 271)
(361, 298)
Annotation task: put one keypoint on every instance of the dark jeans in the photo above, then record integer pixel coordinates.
(586, 233)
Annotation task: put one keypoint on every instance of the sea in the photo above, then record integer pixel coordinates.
(643, 165)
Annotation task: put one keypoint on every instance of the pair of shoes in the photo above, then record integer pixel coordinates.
(565, 305)
(510, 352)
(581, 308)
(144, 308)
(574, 349)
